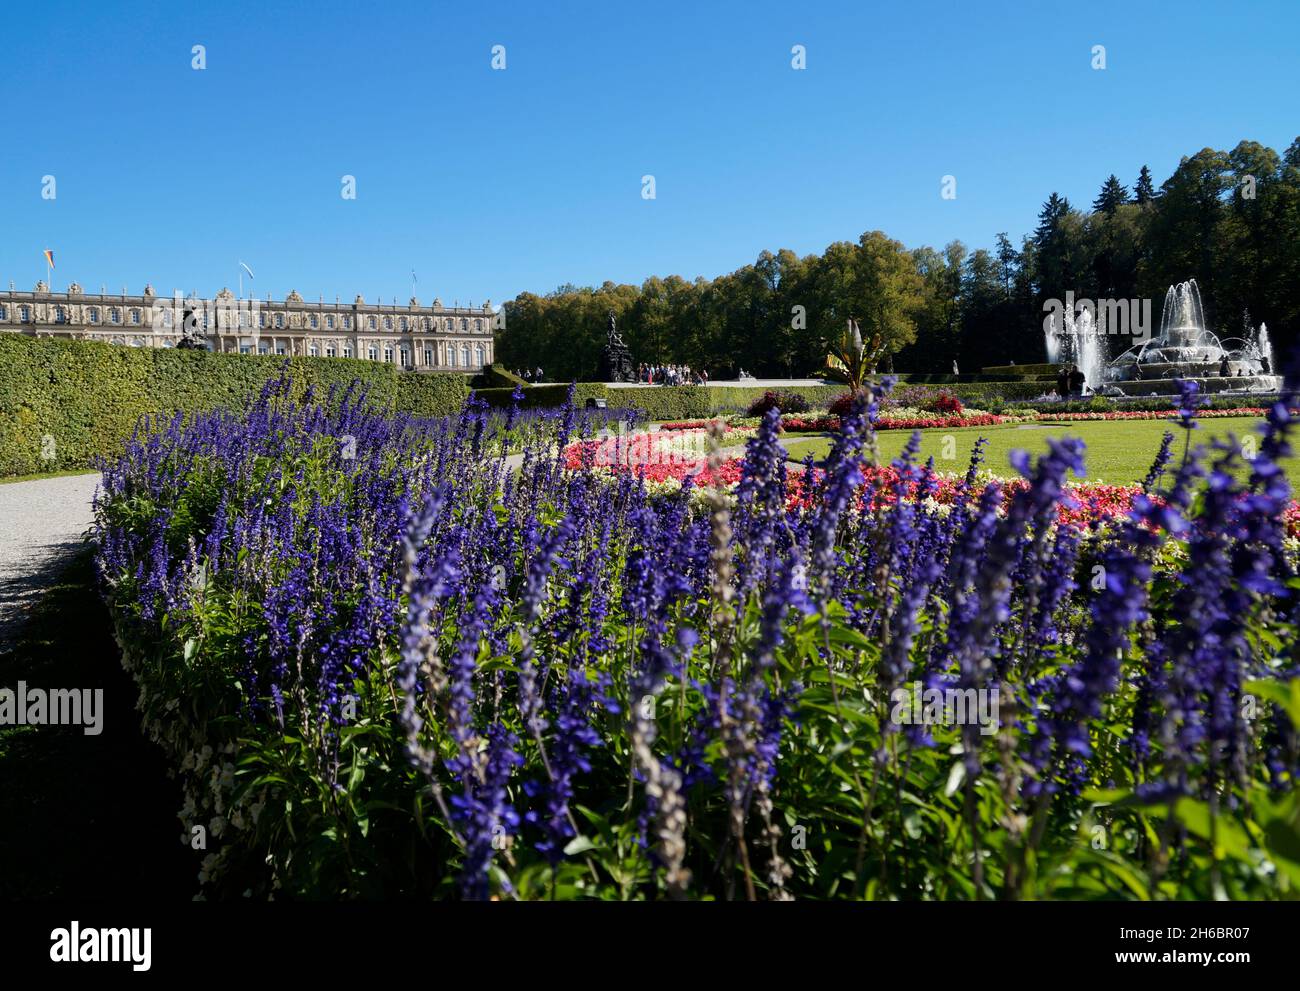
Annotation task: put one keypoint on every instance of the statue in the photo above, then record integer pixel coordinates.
(191, 335)
(616, 361)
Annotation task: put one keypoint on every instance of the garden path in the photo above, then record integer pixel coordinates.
(41, 525)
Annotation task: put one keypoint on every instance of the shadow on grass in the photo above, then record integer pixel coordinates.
(84, 817)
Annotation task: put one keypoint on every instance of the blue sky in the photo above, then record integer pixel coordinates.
(488, 183)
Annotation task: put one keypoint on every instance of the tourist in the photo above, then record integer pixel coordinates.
(1063, 382)
(1077, 381)
(954, 367)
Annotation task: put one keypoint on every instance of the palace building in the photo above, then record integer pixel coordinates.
(415, 337)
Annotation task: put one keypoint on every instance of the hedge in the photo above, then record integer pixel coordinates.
(1034, 371)
(660, 402)
(498, 377)
(65, 402)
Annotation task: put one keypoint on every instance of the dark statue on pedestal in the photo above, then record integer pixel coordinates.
(191, 335)
(616, 361)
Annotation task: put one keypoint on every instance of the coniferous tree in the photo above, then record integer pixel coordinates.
(1113, 194)
(1145, 190)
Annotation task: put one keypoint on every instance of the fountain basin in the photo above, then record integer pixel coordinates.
(1210, 385)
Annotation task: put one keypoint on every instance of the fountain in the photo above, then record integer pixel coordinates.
(1080, 342)
(1186, 349)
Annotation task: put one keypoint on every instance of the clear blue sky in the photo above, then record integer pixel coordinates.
(489, 183)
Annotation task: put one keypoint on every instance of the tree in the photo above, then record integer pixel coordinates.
(1008, 262)
(1112, 196)
(1144, 191)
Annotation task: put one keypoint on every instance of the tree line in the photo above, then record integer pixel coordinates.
(1229, 219)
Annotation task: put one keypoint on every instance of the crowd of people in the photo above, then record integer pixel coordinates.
(530, 374)
(671, 375)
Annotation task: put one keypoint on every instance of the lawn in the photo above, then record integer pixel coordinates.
(1119, 451)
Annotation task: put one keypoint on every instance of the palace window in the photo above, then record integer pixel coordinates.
(115, 315)
(313, 321)
(406, 358)
(24, 314)
(280, 349)
(371, 323)
(464, 355)
(245, 349)
(464, 324)
(279, 320)
(94, 314)
(347, 323)
(59, 316)
(372, 353)
(451, 355)
(135, 316)
(329, 352)
(4, 313)
(261, 319)
(401, 323)
(263, 349)
(478, 354)
(388, 355)
(347, 351)
(428, 356)
(478, 325)
(329, 322)
(388, 323)
(243, 319)
(314, 351)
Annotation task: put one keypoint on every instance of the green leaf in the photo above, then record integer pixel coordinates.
(577, 845)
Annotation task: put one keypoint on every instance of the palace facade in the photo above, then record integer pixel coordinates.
(415, 337)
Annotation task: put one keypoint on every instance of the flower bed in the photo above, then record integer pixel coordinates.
(827, 424)
(382, 664)
(1154, 415)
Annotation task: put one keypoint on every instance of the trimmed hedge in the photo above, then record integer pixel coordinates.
(427, 394)
(686, 402)
(65, 402)
(498, 377)
(659, 402)
(1035, 371)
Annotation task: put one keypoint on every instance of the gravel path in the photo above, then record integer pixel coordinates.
(41, 526)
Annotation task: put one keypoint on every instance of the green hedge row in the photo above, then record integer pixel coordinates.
(660, 402)
(63, 402)
(1043, 369)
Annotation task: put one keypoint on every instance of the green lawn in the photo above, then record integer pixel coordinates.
(1118, 451)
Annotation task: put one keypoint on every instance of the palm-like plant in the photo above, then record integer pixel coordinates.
(851, 359)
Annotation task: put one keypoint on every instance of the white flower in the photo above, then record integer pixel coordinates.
(205, 871)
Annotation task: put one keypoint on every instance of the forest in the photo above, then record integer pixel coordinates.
(1229, 219)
